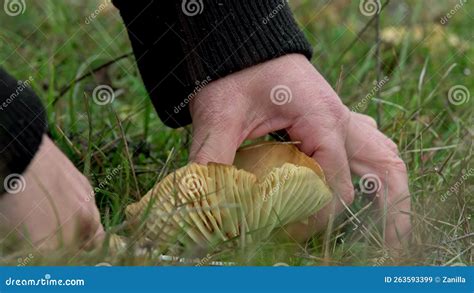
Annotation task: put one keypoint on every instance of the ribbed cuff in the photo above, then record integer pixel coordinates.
(225, 36)
(22, 125)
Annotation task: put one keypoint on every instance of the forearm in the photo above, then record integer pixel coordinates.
(22, 125)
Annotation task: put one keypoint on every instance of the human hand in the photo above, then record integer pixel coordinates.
(289, 93)
(56, 206)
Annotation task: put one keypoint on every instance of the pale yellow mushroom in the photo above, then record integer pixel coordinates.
(270, 186)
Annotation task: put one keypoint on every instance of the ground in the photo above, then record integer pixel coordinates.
(421, 100)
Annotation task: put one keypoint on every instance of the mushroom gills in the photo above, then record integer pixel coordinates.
(270, 186)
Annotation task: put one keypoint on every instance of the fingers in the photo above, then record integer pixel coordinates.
(365, 119)
(328, 149)
(336, 168)
(52, 210)
(69, 198)
(333, 160)
(215, 140)
(375, 159)
(219, 113)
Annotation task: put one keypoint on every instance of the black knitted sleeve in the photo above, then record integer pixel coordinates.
(22, 125)
(180, 46)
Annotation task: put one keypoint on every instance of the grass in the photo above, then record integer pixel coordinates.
(53, 43)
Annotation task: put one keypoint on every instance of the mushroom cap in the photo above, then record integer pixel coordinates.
(270, 185)
(261, 158)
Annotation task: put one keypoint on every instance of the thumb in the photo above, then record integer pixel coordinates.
(215, 140)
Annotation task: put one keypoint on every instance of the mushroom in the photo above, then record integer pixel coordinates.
(271, 185)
